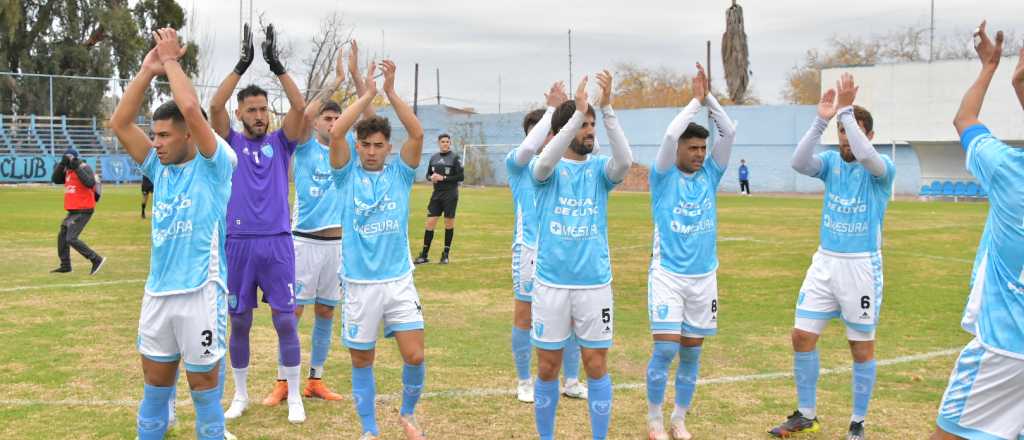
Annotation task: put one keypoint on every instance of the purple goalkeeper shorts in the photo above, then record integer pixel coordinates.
(266, 262)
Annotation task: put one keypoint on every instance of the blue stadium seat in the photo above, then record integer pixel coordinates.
(947, 189)
(959, 189)
(936, 187)
(925, 190)
(971, 190)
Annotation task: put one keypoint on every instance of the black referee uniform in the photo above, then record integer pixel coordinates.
(443, 200)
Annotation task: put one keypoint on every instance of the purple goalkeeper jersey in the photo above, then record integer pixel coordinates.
(259, 187)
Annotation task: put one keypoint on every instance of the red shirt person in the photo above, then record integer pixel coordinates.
(80, 197)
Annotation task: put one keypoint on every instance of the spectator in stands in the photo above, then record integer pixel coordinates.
(147, 189)
(80, 197)
(744, 177)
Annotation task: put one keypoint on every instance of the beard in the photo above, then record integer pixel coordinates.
(582, 148)
(254, 130)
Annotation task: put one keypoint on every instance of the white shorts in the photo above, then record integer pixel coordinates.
(316, 271)
(188, 326)
(984, 397)
(842, 286)
(682, 305)
(558, 313)
(395, 304)
(524, 261)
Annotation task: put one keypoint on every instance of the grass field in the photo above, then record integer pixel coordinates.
(69, 369)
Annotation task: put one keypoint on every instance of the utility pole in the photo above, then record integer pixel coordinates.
(931, 36)
(569, 84)
(416, 90)
(438, 86)
(499, 93)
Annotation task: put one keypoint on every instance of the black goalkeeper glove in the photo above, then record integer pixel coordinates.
(270, 52)
(247, 52)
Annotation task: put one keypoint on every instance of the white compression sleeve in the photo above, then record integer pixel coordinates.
(860, 145)
(666, 157)
(722, 148)
(534, 139)
(556, 148)
(622, 156)
(804, 161)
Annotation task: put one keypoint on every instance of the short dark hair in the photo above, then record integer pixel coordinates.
(369, 126)
(564, 112)
(330, 106)
(444, 135)
(251, 90)
(863, 116)
(531, 119)
(694, 130)
(170, 110)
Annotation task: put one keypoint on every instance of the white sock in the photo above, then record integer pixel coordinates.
(654, 411)
(291, 374)
(281, 375)
(241, 378)
(809, 413)
(679, 413)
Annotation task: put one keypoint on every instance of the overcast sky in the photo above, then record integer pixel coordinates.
(525, 41)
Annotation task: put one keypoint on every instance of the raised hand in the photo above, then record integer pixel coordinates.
(827, 105)
(353, 60)
(604, 80)
(556, 96)
(581, 96)
(339, 66)
(1018, 73)
(151, 63)
(167, 46)
(370, 82)
(388, 67)
(246, 53)
(700, 84)
(988, 52)
(846, 91)
(270, 52)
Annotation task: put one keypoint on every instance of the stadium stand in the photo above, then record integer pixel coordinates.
(32, 134)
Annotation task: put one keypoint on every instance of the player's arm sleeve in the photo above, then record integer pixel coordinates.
(457, 174)
(548, 159)
(534, 139)
(666, 157)
(622, 155)
(148, 165)
(860, 145)
(405, 172)
(343, 173)
(985, 153)
(59, 173)
(726, 133)
(223, 161)
(86, 175)
(804, 161)
(288, 145)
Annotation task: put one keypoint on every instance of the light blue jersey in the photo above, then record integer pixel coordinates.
(317, 205)
(189, 207)
(996, 314)
(685, 212)
(374, 221)
(572, 244)
(854, 204)
(524, 201)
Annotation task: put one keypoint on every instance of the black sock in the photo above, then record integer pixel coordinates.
(448, 235)
(428, 236)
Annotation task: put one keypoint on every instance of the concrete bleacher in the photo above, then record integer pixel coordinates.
(33, 134)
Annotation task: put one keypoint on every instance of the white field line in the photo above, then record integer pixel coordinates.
(61, 286)
(488, 392)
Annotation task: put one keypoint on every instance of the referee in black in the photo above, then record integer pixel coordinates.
(445, 170)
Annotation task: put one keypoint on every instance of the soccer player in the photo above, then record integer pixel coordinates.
(682, 297)
(537, 126)
(317, 224)
(147, 189)
(259, 245)
(377, 267)
(445, 172)
(845, 277)
(983, 399)
(184, 309)
(572, 292)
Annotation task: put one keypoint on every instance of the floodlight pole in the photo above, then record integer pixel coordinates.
(931, 35)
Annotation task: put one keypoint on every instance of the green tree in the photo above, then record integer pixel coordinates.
(99, 38)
